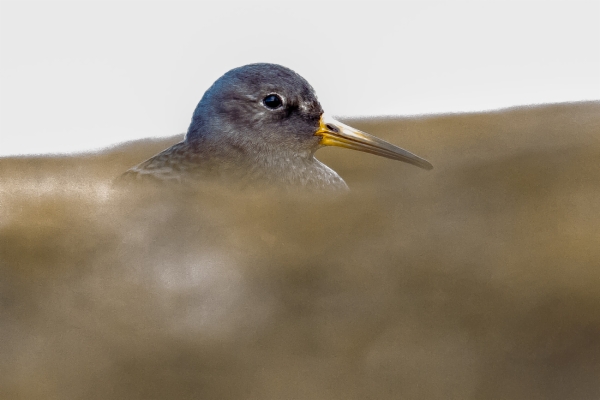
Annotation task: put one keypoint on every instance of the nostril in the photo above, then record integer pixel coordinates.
(332, 128)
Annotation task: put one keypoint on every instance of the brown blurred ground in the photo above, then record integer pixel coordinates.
(477, 280)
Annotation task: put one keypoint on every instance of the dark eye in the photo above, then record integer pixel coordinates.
(272, 101)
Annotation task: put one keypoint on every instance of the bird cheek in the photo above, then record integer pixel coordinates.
(316, 142)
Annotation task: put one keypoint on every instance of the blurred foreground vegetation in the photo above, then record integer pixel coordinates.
(477, 280)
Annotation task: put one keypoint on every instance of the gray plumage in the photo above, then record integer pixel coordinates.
(235, 136)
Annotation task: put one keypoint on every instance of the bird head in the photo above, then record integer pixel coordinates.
(270, 109)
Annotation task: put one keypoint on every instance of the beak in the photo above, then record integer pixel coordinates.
(334, 133)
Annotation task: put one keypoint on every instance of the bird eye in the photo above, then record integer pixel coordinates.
(272, 101)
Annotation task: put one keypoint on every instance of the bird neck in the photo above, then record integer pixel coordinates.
(276, 166)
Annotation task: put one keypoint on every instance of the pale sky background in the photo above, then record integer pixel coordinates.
(82, 75)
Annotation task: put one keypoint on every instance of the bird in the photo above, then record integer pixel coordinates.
(262, 124)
